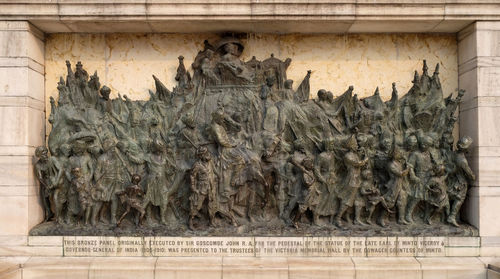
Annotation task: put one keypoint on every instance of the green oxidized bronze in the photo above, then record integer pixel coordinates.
(234, 150)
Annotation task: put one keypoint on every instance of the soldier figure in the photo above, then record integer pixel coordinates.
(267, 89)
(227, 153)
(207, 69)
(326, 164)
(81, 159)
(420, 165)
(311, 200)
(60, 180)
(104, 103)
(462, 177)
(287, 93)
(157, 184)
(203, 187)
(295, 178)
(42, 174)
(187, 141)
(396, 194)
(110, 174)
(352, 183)
(277, 171)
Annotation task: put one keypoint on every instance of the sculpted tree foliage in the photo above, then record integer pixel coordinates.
(234, 149)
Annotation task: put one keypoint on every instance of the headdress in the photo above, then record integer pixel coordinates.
(464, 142)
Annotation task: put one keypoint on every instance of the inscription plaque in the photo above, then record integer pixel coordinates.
(254, 246)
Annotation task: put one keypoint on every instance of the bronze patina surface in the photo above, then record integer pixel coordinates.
(235, 150)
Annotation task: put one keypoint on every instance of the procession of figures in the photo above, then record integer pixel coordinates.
(233, 144)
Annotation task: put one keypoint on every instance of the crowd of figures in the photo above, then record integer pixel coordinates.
(234, 143)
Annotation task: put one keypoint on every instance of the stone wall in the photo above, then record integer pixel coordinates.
(22, 66)
(22, 127)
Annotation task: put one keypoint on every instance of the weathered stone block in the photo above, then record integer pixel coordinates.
(321, 268)
(244, 268)
(139, 268)
(17, 171)
(387, 267)
(59, 268)
(22, 126)
(22, 44)
(189, 267)
(466, 267)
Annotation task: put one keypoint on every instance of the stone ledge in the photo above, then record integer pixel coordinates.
(252, 24)
(22, 101)
(250, 15)
(224, 267)
(22, 62)
(480, 101)
(21, 26)
(29, 251)
(479, 62)
(13, 240)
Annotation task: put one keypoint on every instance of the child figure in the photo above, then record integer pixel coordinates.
(364, 196)
(436, 196)
(83, 189)
(88, 196)
(133, 197)
(371, 195)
